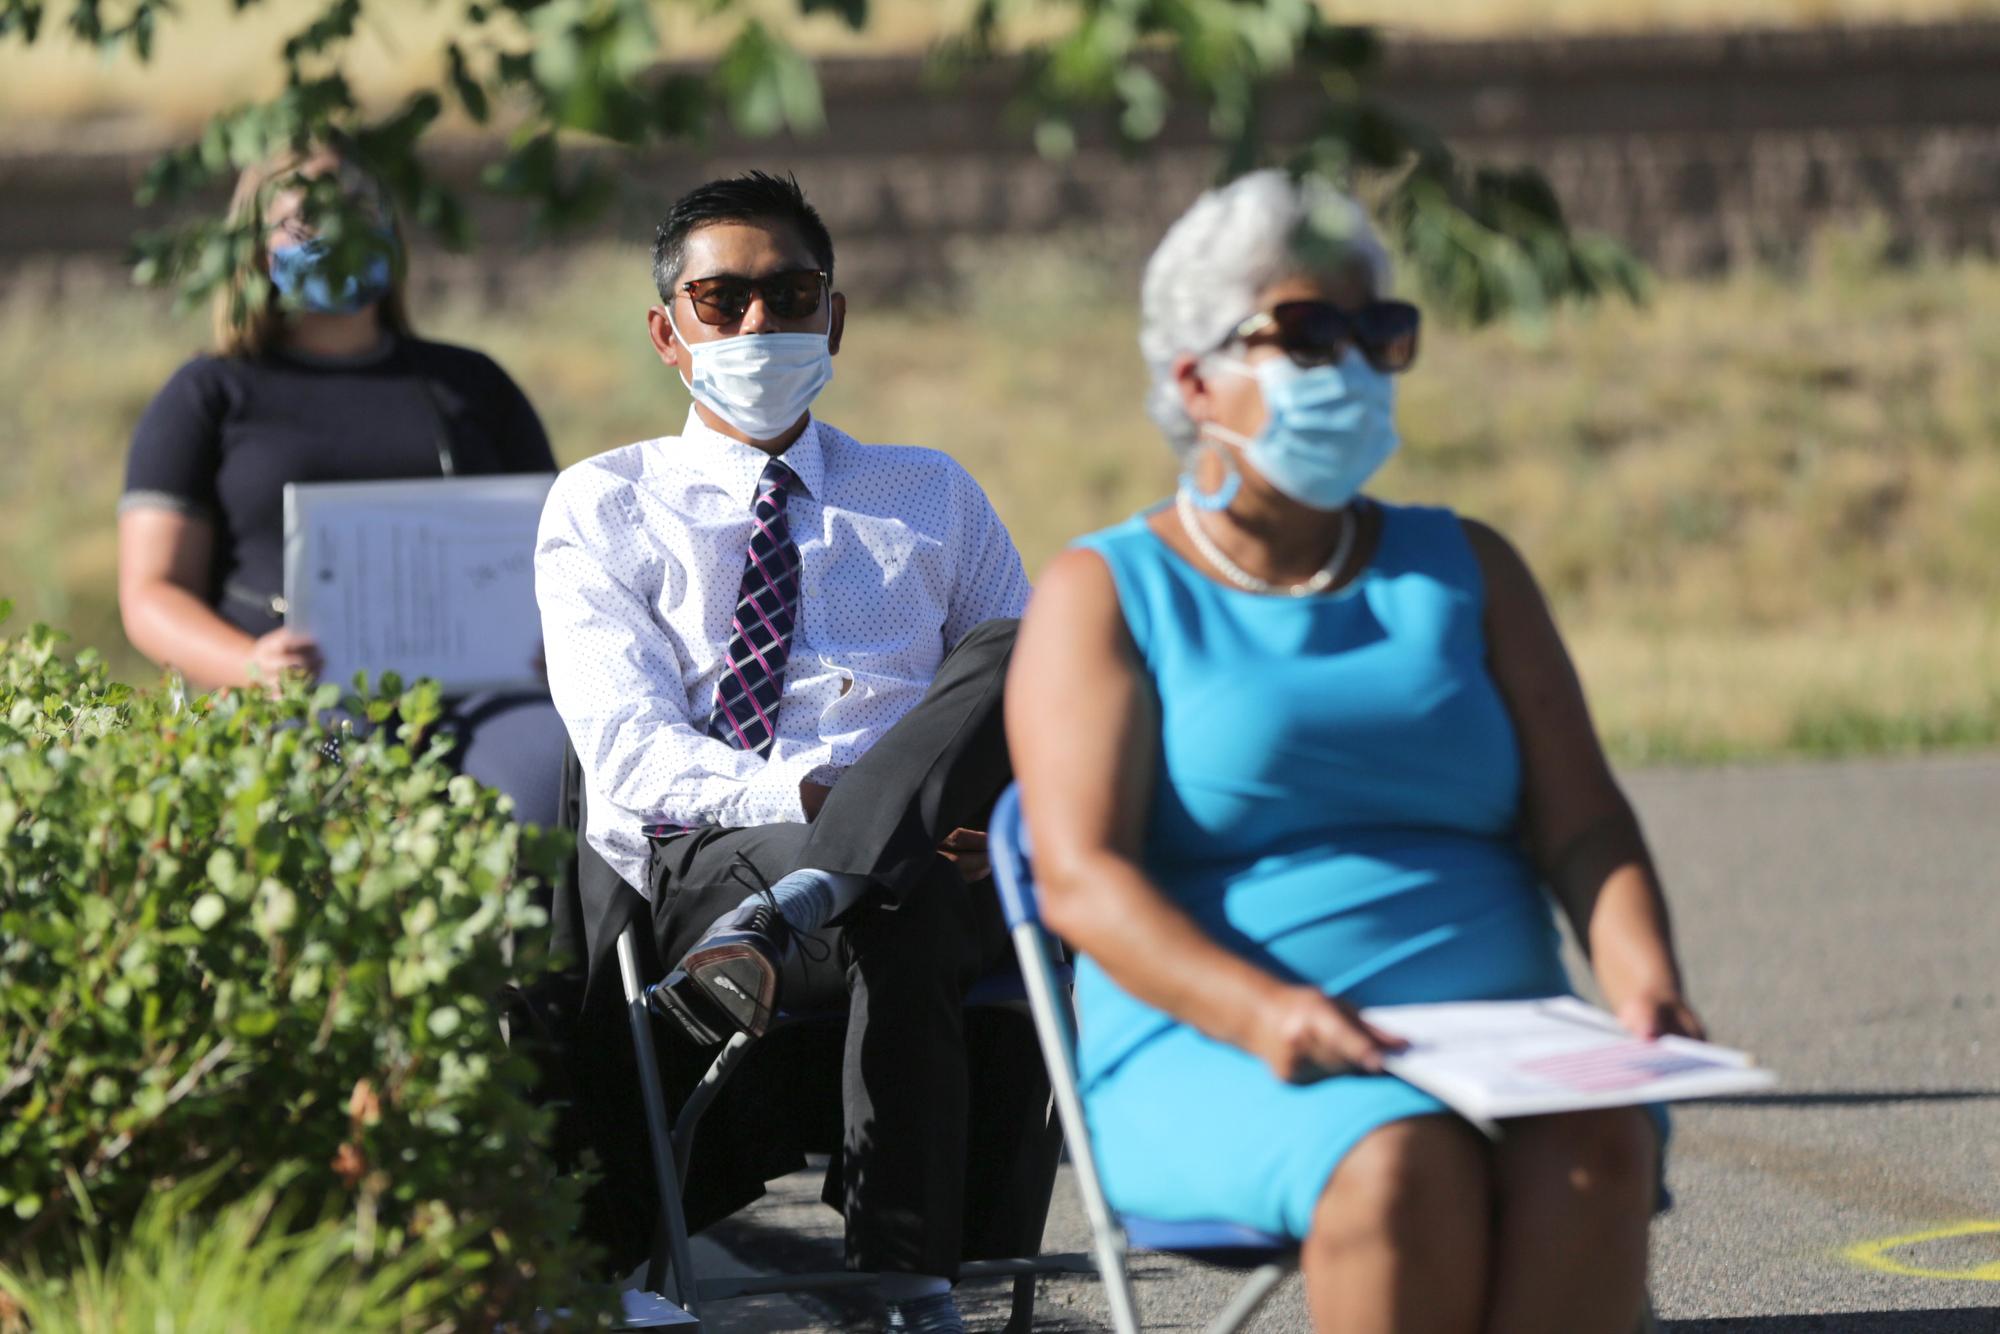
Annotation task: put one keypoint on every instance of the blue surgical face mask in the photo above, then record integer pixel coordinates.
(1328, 429)
(759, 383)
(300, 273)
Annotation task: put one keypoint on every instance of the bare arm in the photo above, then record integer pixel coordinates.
(1080, 723)
(164, 560)
(1583, 832)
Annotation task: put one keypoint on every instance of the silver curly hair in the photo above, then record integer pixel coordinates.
(1235, 241)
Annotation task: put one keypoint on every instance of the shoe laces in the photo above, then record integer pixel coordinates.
(767, 916)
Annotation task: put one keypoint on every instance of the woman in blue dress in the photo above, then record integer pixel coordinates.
(1287, 751)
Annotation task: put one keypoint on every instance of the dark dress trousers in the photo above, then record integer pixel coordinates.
(936, 1116)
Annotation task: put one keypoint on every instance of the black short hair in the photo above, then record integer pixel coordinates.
(753, 196)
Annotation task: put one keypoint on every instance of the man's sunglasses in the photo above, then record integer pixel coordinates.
(1314, 333)
(786, 296)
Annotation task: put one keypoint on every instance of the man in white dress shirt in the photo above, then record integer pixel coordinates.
(779, 653)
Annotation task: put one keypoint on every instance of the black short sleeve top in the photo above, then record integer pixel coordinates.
(226, 434)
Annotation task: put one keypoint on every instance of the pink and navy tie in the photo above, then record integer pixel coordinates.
(760, 636)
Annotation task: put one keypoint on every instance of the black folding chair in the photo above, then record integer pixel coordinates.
(670, 1272)
(671, 1140)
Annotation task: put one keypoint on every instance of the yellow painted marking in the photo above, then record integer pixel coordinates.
(1875, 1254)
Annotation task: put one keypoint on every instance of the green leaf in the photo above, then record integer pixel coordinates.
(768, 86)
(222, 870)
(277, 908)
(207, 910)
(306, 983)
(471, 95)
(852, 12)
(255, 1023)
(1055, 139)
(1146, 103)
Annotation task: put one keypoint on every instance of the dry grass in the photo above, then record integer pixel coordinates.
(209, 57)
(1767, 509)
(1872, 683)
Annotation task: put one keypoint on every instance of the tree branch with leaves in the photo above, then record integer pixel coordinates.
(563, 74)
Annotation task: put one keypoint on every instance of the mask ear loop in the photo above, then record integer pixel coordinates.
(1220, 498)
(686, 364)
(1207, 435)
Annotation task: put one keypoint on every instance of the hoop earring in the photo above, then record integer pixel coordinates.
(1219, 498)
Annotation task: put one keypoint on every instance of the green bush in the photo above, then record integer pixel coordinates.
(244, 1268)
(226, 953)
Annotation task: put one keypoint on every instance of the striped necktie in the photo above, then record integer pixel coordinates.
(760, 635)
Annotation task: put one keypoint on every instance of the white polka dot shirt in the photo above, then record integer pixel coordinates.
(637, 568)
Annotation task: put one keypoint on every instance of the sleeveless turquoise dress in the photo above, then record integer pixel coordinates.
(1337, 797)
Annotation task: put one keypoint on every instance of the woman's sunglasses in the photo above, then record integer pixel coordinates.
(1315, 333)
(786, 296)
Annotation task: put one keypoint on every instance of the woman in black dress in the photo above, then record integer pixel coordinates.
(313, 380)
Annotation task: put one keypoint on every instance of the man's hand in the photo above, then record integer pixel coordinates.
(812, 796)
(967, 849)
(1305, 1035)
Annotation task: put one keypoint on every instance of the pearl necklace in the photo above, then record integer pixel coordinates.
(1250, 583)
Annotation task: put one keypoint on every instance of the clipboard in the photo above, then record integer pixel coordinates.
(425, 578)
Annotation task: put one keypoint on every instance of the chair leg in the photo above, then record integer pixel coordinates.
(659, 1136)
(1052, 1030)
(718, 1073)
(1022, 1318)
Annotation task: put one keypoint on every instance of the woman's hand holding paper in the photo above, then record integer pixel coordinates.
(1304, 1035)
(1659, 1014)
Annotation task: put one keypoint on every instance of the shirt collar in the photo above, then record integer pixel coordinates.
(735, 466)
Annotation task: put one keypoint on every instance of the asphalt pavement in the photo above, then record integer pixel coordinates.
(1842, 922)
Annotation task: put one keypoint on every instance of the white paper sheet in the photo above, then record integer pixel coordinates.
(1495, 1059)
(424, 578)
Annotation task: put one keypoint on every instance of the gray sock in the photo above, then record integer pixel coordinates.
(809, 898)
